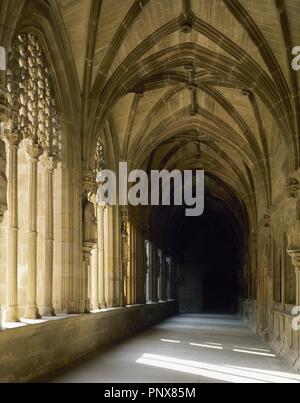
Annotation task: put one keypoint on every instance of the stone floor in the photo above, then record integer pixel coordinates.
(185, 349)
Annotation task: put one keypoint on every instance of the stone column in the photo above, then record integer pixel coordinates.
(109, 245)
(125, 254)
(101, 257)
(47, 163)
(168, 279)
(32, 312)
(146, 255)
(133, 264)
(153, 274)
(165, 278)
(95, 305)
(295, 255)
(160, 273)
(12, 141)
(140, 267)
(87, 275)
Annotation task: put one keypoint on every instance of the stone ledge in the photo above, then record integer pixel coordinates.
(31, 352)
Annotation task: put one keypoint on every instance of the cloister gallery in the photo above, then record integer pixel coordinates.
(205, 85)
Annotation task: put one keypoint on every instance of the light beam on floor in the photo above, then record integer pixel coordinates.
(216, 372)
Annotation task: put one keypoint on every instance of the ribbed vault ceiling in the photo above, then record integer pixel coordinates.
(191, 83)
(188, 83)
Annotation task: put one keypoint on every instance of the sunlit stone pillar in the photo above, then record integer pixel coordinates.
(32, 312)
(294, 252)
(109, 256)
(112, 247)
(101, 259)
(87, 276)
(12, 141)
(90, 242)
(295, 255)
(47, 163)
(118, 275)
(94, 280)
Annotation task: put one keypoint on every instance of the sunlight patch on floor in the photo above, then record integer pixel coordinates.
(217, 372)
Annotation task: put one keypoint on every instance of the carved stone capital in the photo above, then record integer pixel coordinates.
(267, 221)
(89, 183)
(3, 106)
(34, 151)
(10, 137)
(295, 255)
(99, 197)
(48, 162)
(294, 236)
(3, 208)
(293, 187)
(87, 250)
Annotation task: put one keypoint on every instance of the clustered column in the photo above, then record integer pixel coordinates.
(47, 163)
(101, 262)
(125, 255)
(32, 312)
(12, 141)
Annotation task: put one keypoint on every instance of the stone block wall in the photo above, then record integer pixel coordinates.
(31, 352)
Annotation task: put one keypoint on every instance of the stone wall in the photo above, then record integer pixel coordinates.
(270, 313)
(31, 352)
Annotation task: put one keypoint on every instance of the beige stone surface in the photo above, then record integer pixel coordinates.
(178, 350)
(30, 352)
(161, 84)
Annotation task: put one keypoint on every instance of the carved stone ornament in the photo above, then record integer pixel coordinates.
(124, 236)
(31, 105)
(266, 221)
(294, 236)
(293, 187)
(34, 151)
(3, 106)
(88, 183)
(99, 157)
(90, 224)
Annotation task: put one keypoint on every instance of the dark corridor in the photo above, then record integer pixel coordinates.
(210, 264)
